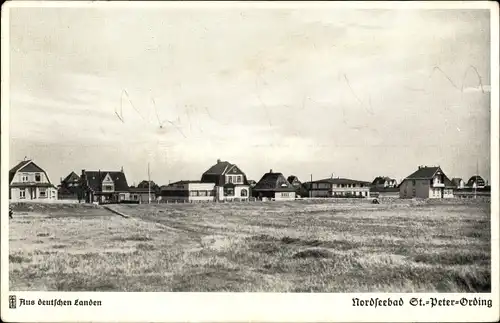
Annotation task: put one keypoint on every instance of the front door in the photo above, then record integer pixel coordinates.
(33, 193)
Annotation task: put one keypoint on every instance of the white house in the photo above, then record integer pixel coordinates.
(426, 182)
(29, 182)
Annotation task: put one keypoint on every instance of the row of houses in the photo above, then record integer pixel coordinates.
(225, 181)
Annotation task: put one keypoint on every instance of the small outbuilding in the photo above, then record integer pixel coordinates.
(274, 186)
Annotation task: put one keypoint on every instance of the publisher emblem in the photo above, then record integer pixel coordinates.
(12, 301)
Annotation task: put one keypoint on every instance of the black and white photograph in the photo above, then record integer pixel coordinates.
(230, 148)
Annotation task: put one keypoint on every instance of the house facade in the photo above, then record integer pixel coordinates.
(300, 190)
(29, 182)
(476, 181)
(426, 182)
(274, 186)
(144, 191)
(104, 186)
(384, 182)
(230, 182)
(340, 187)
(70, 188)
(384, 192)
(458, 182)
(188, 191)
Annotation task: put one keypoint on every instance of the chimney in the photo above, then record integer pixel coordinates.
(83, 172)
(122, 169)
(218, 161)
(271, 170)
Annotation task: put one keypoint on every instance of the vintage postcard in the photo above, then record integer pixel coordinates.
(249, 161)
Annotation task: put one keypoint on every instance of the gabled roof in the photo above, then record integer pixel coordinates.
(476, 178)
(145, 185)
(293, 178)
(27, 166)
(424, 173)
(220, 168)
(95, 178)
(274, 182)
(381, 180)
(448, 182)
(70, 176)
(428, 173)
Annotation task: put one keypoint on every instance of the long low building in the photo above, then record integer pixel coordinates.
(188, 191)
(389, 192)
(339, 187)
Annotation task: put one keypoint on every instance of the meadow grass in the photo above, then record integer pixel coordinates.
(299, 246)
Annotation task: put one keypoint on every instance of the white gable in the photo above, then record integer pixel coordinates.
(108, 178)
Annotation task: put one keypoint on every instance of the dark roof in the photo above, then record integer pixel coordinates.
(145, 184)
(274, 182)
(424, 173)
(95, 178)
(448, 182)
(251, 181)
(456, 181)
(73, 177)
(341, 181)
(182, 182)
(27, 166)
(381, 180)
(14, 169)
(219, 169)
(476, 178)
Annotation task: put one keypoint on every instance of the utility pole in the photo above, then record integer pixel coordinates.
(311, 186)
(476, 177)
(149, 185)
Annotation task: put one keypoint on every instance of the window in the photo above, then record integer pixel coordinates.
(244, 192)
(413, 182)
(284, 194)
(22, 193)
(107, 188)
(239, 179)
(24, 177)
(230, 179)
(361, 185)
(43, 192)
(202, 193)
(193, 193)
(38, 177)
(229, 191)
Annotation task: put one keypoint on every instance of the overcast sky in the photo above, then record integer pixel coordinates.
(309, 91)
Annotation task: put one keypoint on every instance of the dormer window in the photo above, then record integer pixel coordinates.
(38, 177)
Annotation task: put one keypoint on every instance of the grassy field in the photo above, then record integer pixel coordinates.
(301, 246)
